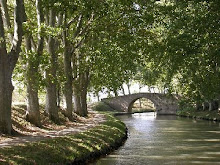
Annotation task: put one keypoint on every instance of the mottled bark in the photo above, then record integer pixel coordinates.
(32, 113)
(80, 94)
(6, 90)
(8, 62)
(68, 91)
(6, 87)
(51, 98)
(76, 99)
(58, 97)
(84, 85)
(51, 90)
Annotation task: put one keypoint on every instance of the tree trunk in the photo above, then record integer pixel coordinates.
(33, 113)
(8, 62)
(109, 94)
(205, 106)
(98, 97)
(148, 87)
(59, 95)
(123, 90)
(51, 104)
(213, 105)
(84, 102)
(51, 95)
(68, 91)
(80, 94)
(140, 92)
(115, 92)
(76, 100)
(140, 104)
(6, 89)
(84, 85)
(129, 91)
(199, 106)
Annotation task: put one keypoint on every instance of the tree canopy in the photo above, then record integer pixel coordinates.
(63, 48)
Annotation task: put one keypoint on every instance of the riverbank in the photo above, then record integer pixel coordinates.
(205, 115)
(71, 148)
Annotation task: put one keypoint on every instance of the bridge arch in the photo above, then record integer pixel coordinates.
(130, 106)
(164, 104)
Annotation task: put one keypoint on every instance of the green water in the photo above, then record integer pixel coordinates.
(167, 140)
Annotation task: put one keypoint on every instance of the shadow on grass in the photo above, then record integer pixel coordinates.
(68, 149)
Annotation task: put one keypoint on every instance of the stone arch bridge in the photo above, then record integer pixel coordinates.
(164, 104)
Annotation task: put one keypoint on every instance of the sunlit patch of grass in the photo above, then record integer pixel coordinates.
(68, 149)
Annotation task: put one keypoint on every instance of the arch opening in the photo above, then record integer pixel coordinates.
(142, 105)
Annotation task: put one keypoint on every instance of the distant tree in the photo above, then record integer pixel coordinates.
(33, 55)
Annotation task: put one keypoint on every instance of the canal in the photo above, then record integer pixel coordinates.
(157, 140)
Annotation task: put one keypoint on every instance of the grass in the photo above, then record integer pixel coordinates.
(76, 149)
(206, 115)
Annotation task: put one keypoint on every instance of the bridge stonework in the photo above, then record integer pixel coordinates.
(164, 104)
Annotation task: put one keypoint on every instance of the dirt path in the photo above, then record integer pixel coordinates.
(42, 135)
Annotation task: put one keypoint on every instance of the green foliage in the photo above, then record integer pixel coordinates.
(186, 105)
(185, 47)
(173, 45)
(101, 106)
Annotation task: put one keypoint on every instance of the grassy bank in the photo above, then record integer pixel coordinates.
(206, 115)
(72, 149)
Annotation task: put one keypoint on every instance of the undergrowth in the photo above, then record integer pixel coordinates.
(206, 115)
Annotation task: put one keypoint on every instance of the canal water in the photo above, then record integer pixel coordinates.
(158, 140)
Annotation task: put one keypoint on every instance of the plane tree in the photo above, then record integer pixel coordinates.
(8, 57)
(187, 47)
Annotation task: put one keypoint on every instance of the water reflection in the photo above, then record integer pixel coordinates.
(144, 116)
(166, 117)
(166, 140)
